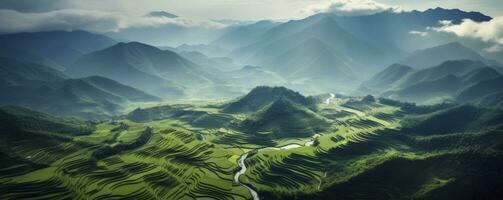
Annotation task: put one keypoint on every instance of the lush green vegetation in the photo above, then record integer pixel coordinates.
(362, 148)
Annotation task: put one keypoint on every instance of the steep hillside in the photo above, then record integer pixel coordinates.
(262, 96)
(284, 118)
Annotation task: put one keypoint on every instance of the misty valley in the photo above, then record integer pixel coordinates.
(384, 105)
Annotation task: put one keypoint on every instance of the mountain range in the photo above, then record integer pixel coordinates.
(159, 72)
(46, 89)
(455, 80)
(320, 53)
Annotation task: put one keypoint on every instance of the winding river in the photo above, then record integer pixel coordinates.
(241, 161)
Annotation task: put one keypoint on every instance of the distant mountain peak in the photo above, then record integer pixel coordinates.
(161, 14)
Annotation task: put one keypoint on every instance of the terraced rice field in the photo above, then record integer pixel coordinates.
(195, 156)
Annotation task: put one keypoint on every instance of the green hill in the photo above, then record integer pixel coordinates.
(458, 119)
(262, 96)
(18, 120)
(284, 118)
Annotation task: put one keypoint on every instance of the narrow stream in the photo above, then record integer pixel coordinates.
(241, 161)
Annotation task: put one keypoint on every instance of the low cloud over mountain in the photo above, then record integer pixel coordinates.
(490, 31)
(351, 7)
(90, 20)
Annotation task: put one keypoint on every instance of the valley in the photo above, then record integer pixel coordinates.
(191, 153)
(261, 100)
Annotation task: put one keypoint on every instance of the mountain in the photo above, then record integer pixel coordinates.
(284, 118)
(313, 60)
(400, 76)
(392, 30)
(442, 88)
(329, 33)
(433, 84)
(40, 87)
(262, 96)
(436, 55)
(159, 72)
(61, 48)
(369, 41)
(90, 98)
(13, 72)
(388, 77)
(161, 14)
(457, 68)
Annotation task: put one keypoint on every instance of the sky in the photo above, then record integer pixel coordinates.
(115, 15)
(235, 9)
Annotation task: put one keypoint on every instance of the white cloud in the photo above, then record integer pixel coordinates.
(90, 20)
(420, 33)
(490, 31)
(350, 7)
